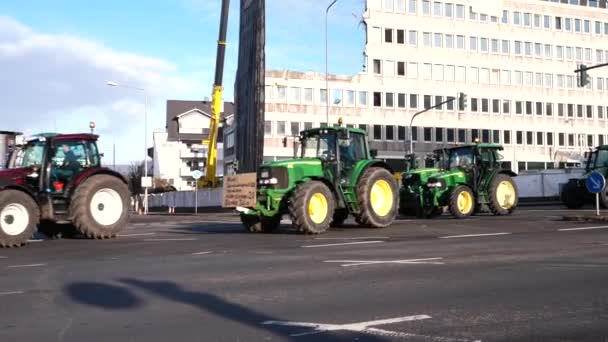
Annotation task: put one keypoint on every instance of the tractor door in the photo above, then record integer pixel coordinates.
(68, 158)
(352, 149)
(487, 167)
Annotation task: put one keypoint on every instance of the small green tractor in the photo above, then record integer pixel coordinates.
(333, 176)
(464, 179)
(574, 194)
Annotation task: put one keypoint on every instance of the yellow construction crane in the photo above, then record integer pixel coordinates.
(210, 180)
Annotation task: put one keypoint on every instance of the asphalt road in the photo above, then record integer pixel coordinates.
(522, 278)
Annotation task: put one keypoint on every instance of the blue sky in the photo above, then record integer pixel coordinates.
(57, 56)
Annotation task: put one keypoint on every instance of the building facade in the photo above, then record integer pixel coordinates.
(179, 149)
(514, 59)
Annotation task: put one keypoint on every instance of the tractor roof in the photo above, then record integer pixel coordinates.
(335, 129)
(58, 136)
(603, 147)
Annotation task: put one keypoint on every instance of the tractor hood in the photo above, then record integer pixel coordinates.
(14, 176)
(292, 163)
(284, 173)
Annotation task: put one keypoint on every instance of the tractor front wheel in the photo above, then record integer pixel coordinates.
(339, 217)
(19, 215)
(377, 193)
(312, 207)
(100, 207)
(572, 196)
(256, 224)
(462, 202)
(503, 195)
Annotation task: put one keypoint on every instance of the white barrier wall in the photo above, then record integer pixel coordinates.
(536, 185)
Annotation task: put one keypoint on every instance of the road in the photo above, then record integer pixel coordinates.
(527, 277)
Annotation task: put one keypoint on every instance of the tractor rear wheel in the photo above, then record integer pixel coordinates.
(503, 195)
(19, 215)
(604, 198)
(339, 217)
(572, 196)
(312, 207)
(377, 192)
(256, 224)
(462, 201)
(100, 207)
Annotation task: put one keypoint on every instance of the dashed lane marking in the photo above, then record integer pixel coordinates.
(343, 244)
(354, 238)
(348, 263)
(201, 253)
(130, 235)
(472, 235)
(581, 228)
(24, 266)
(11, 293)
(185, 239)
(35, 240)
(3, 257)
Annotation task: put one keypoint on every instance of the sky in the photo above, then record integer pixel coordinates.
(56, 57)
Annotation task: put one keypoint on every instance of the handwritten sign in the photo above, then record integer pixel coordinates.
(240, 190)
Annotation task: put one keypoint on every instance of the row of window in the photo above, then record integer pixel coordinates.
(454, 135)
(524, 19)
(489, 45)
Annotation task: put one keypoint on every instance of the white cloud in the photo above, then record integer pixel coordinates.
(58, 82)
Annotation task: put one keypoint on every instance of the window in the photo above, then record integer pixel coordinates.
(295, 128)
(401, 133)
(267, 127)
(437, 9)
(539, 138)
(388, 35)
(388, 5)
(363, 98)
(485, 76)
(438, 101)
(322, 96)
(560, 110)
(589, 112)
(506, 106)
(549, 80)
(505, 47)
(516, 18)
(390, 99)
(570, 139)
(485, 104)
(426, 7)
(474, 74)
(558, 23)
(460, 42)
(294, 95)
(414, 133)
(549, 109)
(413, 38)
(462, 135)
(528, 107)
(588, 55)
(473, 43)
(539, 79)
(400, 68)
(439, 134)
(427, 134)
(506, 137)
(280, 128)
(449, 41)
(549, 139)
(449, 73)
(561, 81)
(495, 47)
(308, 125)
(518, 77)
(426, 39)
(401, 100)
(389, 132)
(337, 97)
(568, 24)
(377, 99)
(438, 40)
(400, 36)
(461, 74)
(570, 52)
(449, 10)
(538, 52)
(570, 110)
(308, 95)
(363, 127)
(579, 111)
(450, 105)
(412, 7)
(474, 134)
(413, 101)
(561, 139)
(459, 11)
(350, 98)
(474, 105)
(438, 72)
(589, 140)
(587, 26)
(528, 46)
(496, 136)
(518, 45)
(527, 19)
(600, 112)
(518, 107)
(412, 70)
(427, 101)
(496, 106)
(559, 52)
(505, 17)
(427, 71)
(547, 22)
(577, 25)
(281, 92)
(389, 68)
(450, 135)
(401, 6)
(505, 77)
(377, 67)
(536, 20)
(484, 44)
(598, 27)
(519, 138)
(548, 51)
(377, 132)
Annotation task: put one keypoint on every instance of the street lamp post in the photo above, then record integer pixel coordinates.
(326, 67)
(115, 84)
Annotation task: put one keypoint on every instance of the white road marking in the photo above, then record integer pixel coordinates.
(347, 263)
(35, 240)
(342, 244)
(11, 293)
(23, 266)
(187, 239)
(363, 327)
(141, 234)
(473, 235)
(201, 253)
(3, 257)
(353, 238)
(139, 224)
(581, 228)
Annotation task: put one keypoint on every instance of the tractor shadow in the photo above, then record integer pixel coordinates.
(130, 293)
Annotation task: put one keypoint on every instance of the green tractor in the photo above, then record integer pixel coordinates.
(574, 194)
(332, 176)
(464, 179)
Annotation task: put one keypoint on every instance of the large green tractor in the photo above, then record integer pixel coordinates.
(574, 194)
(333, 176)
(464, 179)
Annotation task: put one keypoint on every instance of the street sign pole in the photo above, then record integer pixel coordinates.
(196, 174)
(597, 204)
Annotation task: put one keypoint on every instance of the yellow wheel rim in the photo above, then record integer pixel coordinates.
(381, 197)
(465, 202)
(505, 195)
(317, 208)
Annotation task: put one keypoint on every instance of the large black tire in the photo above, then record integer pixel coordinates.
(572, 196)
(504, 195)
(340, 216)
(312, 207)
(19, 215)
(462, 202)
(377, 212)
(256, 224)
(604, 198)
(108, 215)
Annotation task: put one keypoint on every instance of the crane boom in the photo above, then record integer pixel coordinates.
(210, 179)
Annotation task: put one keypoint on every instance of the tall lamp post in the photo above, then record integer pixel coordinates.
(326, 67)
(115, 84)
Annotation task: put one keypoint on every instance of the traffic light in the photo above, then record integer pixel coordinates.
(462, 101)
(583, 76)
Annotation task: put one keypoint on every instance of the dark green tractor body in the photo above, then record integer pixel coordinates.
(333, 177)
(464, 179)
(574, 194)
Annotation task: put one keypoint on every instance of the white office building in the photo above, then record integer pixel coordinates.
(514, 59)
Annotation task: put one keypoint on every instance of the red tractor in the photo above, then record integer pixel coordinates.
(55, 179)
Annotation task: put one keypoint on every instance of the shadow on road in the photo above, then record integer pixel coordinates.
(123, 298)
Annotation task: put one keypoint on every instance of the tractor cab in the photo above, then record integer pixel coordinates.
(597, 159)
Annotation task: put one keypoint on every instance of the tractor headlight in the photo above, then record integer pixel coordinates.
(269, 181)
(265, 174)
(435, 183)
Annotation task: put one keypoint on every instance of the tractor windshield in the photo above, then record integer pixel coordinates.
(320, 145)
(460, 158)
(598, 159)
(30, 155)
